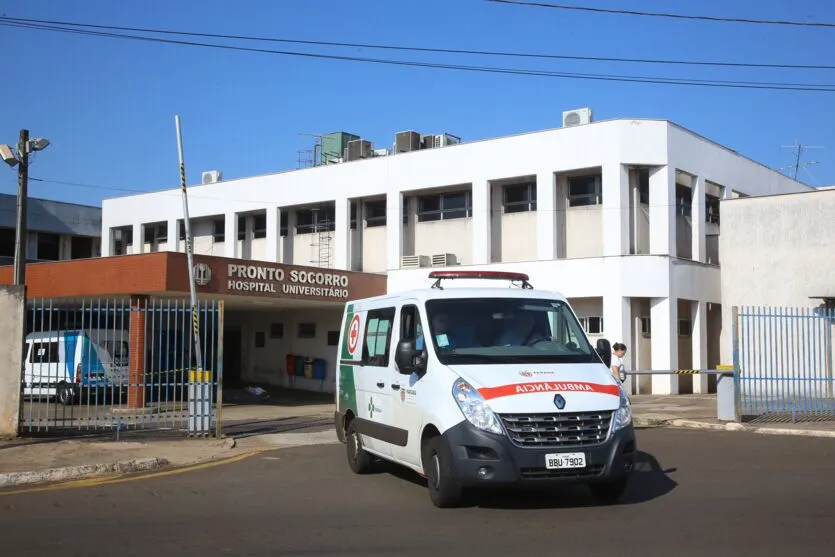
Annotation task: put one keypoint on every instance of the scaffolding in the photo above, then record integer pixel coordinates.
(320, 247)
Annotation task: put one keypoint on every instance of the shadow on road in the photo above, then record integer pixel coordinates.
(650, 481)
(250, 428)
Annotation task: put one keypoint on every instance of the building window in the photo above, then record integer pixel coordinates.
(282, 225)
(585, 190)
(711, 209)
(81, 247)
(219, 230)
(181, 226)
(7, 242)
(353, 217)
(241, 227)
(685, 328)
(519, 198)
(49, 247)
(259, 226)
(321, 219)
(592, 325)
(375, 213)
(684, 201)
(260, 340)
(643, 185)
(444, 206)
(306, 330)
(276, 330)
(333, 338)
(646, 326)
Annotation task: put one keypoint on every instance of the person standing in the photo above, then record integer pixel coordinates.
(618, 353)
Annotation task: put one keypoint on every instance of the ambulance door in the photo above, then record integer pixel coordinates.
(409, 389)
(374, 407)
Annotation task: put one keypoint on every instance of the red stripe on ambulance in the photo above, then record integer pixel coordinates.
(548, 387)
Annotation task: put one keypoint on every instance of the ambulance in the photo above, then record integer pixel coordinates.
(481, 384)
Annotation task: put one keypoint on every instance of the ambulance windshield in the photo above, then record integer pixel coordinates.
(506, 330)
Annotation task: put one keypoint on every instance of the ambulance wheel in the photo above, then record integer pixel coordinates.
(444, 488)
(608, 493)
(360, 461)
(65, 394)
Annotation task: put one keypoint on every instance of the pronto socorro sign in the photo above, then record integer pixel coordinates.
(255, 278)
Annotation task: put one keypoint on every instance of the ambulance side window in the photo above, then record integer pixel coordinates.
(378, 326)
(410, 327)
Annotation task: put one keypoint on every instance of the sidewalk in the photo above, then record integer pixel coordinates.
(277, 423)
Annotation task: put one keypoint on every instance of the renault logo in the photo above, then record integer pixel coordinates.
(559, 400)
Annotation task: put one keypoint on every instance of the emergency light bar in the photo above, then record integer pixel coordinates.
(487, 275)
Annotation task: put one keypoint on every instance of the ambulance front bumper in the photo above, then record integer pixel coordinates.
(484, 459)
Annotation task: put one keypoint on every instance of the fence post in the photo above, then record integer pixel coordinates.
(219, 373)
(737, 379)
(12, 342)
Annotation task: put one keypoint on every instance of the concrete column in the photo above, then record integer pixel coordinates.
(12, 326)
(394, 229)
(107, 247)
(617, 322)
(136, 387)
(662, 211)
(615, 222)
(342, 235)
(698, 225)
(356, 236)
(497, 200)
(230, 241)
(546, 217)
(664, 315)
(289, 240)
(698, 315)
(174, 236)
(481, 231)
(273, 233)
(138, 238)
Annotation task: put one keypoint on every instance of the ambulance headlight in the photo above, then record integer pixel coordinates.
(623, 415)
(475, 408)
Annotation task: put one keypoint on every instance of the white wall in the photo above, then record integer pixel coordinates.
(518, 237)
(266, 366)
(445, 236)
(776, 251)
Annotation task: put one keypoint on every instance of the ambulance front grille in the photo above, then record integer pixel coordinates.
(569, 429)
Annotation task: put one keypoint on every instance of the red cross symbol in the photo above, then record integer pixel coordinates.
(354, 334)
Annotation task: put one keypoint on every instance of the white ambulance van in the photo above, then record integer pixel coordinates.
(504, 389)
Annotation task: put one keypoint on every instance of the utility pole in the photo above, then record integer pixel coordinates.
(21, 232)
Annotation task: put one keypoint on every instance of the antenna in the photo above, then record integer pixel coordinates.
(317, 148)
(797, 149)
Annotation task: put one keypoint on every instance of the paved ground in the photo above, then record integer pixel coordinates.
(695, 494)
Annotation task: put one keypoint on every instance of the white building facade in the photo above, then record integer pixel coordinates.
(621, 216)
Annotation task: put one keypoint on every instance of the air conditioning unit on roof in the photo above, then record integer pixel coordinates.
(576, 117)
(212, 177)
(444, 260)
(414, 261)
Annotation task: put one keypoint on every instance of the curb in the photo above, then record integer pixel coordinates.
(732, 426)
(79, 472)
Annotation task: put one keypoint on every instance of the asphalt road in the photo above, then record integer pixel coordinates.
(695, 494)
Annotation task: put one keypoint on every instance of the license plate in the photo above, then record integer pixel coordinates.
(561, 461)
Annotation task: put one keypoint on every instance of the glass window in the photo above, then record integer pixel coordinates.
(378, 327)
(507, 330)
(584, 190)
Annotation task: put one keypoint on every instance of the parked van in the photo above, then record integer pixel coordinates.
(505, 389)
(62, 364)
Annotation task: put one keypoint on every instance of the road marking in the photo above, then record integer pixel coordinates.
(108, 480)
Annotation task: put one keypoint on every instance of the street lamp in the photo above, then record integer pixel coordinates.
(24, 147)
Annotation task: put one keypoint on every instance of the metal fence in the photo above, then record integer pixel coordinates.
(785, 362)
(105, 365)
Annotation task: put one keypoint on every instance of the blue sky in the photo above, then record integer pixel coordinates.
(108, 105)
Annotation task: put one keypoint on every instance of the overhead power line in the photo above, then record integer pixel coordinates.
(664, 14)
(544, 56)
(470, 68)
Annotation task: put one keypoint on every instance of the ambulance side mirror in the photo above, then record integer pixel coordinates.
(604, 350)
(408, 358)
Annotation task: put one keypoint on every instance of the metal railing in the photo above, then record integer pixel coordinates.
(119, 365)
(785, 362)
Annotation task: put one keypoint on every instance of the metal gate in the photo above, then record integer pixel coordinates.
(785, 362)
(122, 365)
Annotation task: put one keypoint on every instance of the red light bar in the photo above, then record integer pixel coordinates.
(495, 275)
(490, 275)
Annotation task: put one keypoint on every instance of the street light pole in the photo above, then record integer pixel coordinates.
(21, 232)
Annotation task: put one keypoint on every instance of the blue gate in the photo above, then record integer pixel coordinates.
(121, 365)
(784, 358)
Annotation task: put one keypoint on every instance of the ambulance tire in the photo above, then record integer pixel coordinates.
(445, 490)
(608, 493)
(360, 461)
(64, 394)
